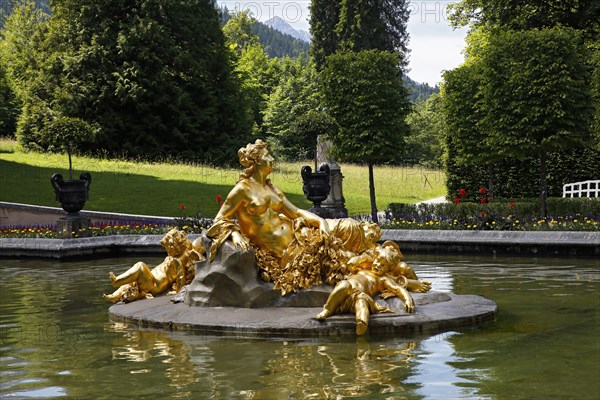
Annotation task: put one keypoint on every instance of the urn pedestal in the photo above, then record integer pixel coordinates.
(316, 186)
(334, 205)
(72, 195)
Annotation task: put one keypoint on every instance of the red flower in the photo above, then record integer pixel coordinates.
(512, 204)
(483, 190)
(456, 200)
(483, 200)
(181, 206)
(462, 193)
(219, 200)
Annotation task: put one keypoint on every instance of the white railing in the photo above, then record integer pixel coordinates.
(582, 189)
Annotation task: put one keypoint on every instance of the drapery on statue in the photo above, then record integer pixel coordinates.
(176, 271)
(295, 249)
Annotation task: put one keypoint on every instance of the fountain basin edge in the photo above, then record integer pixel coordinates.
(430, 318)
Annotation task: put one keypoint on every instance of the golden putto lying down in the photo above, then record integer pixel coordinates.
(176, 271)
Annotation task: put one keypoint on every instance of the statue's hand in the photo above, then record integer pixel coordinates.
(239, 241)
(324, 227)
(409, 305)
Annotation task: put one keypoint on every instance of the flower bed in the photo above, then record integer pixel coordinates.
(188, 224)
(580, 214)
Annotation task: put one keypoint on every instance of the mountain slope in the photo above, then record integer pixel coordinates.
(278, 44)
(281, 25)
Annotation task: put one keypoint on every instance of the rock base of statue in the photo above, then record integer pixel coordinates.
(231, 280)
(72, 226)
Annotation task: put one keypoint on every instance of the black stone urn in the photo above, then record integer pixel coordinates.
(71, 194)
(316, 184)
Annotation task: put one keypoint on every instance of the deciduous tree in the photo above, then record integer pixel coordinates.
(364, 93)
(520, 15)
(296, 95)
(424, 145)
(23, 61)
(153, 74)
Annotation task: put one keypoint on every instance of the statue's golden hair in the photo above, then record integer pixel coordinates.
(176, 240)
(250, 156)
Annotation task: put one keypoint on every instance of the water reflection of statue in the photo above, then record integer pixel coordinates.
(173, 273)
(329, 370)
(154, 347)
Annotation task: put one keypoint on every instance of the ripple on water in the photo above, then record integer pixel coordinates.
(47, 392)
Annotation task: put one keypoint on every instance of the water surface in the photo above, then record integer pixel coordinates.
(56, 341)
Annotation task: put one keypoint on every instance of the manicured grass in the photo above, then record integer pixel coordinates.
(7, 145)
(160, 188)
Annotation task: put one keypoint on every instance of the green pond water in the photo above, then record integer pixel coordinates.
(56, 340)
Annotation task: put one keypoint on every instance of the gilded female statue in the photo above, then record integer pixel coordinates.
(258, 205)
(294, 247)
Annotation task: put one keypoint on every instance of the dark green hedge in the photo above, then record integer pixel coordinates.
(519, 207)
(520, 179)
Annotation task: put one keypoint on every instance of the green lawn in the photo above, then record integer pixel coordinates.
(160, 188)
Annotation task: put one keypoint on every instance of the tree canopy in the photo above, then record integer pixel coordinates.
(355, 25)
(153, 75)
(519, 14)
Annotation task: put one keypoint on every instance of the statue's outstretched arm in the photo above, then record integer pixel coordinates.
(392, 287)
(293, 212)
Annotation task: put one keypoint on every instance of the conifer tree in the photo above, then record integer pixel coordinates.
(324, 17)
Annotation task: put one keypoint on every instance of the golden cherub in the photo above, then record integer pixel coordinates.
(173, 273)
(373, 275)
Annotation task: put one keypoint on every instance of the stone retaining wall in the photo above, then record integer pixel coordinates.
(410, 241)
(16, 214)
(554, 243)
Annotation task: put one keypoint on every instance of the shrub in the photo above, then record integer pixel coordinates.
(519, 179)
(522, 214)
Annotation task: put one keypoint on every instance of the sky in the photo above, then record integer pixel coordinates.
(434, 45)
